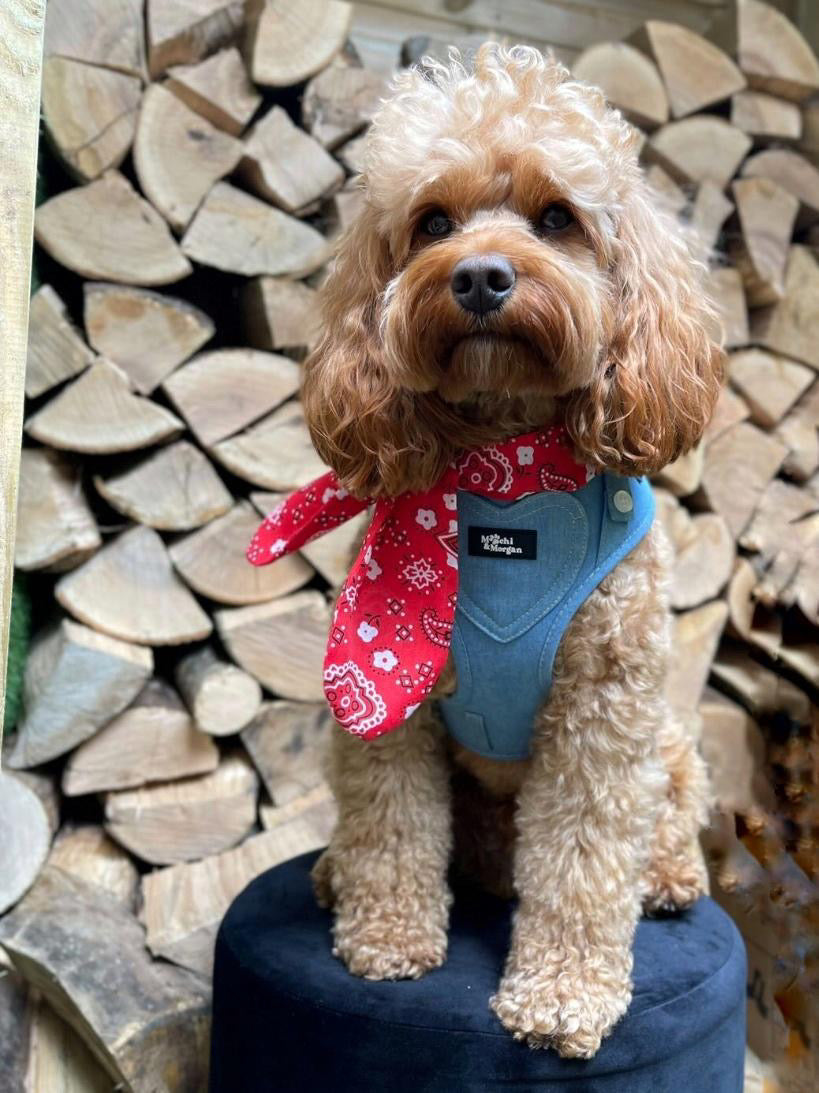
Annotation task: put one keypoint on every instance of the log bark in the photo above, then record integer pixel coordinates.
(99, 413)
(280, 643)
(340, 101)
(769, 384)
(221, 392)
(56, 352)
(221, 697)
(184, 905)
(765, 117)
(146, 333)
(285, 165)
(175, 489)
(178, 155)
(739, 464)
(26, 839)
(55, 526)
(182, 821)
(89, 114)
(213, 562)
(288, 44)
(276, 454)
(791, 326)
(109, 33)
(107, 232)
(218, 88)
(236, 232)
(696, 73)
(699, 148)
(280, 314)
(767, 214)
(124, 753)
(16, 1013)
(770, 50)
(184, 33)
(146, 1022)
(287, 742)
(629, 80)
(130, 591)
(76, 680)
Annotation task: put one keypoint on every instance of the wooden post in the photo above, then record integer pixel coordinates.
(21, 52)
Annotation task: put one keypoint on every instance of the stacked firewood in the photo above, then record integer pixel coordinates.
(171, 740)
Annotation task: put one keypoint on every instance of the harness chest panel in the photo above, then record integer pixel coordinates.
(524, 569)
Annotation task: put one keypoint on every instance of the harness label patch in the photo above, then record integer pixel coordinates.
(514, 543)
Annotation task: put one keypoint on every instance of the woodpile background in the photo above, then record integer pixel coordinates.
(201, 164)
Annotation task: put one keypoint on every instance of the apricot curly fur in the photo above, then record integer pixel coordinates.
(608, 330)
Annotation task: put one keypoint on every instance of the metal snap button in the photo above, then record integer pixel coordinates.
(623, 501)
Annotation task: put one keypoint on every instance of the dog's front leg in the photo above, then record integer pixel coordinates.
(385, 869)
(586, 815)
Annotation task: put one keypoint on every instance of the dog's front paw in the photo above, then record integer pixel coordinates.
(388, 945)
(674, 883)
(570, 1011)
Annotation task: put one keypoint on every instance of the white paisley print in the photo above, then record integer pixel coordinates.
(355, 702)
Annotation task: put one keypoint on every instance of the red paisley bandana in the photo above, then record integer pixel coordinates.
(390, 634)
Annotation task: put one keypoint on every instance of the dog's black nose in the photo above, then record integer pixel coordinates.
(482, 282)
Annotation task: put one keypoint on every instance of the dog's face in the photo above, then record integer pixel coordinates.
(508, 266)
(502, 284)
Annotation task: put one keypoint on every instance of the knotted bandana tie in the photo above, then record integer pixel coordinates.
(393, 621)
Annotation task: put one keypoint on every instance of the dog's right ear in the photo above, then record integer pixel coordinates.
(379, 438)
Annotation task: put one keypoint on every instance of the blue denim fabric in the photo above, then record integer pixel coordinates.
(512, 612)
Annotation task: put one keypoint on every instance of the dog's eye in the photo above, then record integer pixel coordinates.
(436, 224)
(555, 218)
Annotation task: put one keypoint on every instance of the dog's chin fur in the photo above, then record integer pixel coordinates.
(493, 364)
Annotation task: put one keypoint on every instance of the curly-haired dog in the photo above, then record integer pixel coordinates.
(510, 271)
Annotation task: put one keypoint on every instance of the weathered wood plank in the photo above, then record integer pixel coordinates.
(21, 49)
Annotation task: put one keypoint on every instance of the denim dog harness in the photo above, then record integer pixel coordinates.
(525, 567)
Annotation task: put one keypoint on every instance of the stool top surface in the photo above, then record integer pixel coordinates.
(689, 971)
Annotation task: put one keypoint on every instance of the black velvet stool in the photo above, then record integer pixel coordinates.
(289, 1018)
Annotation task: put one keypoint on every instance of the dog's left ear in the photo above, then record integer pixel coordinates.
(656, 389)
